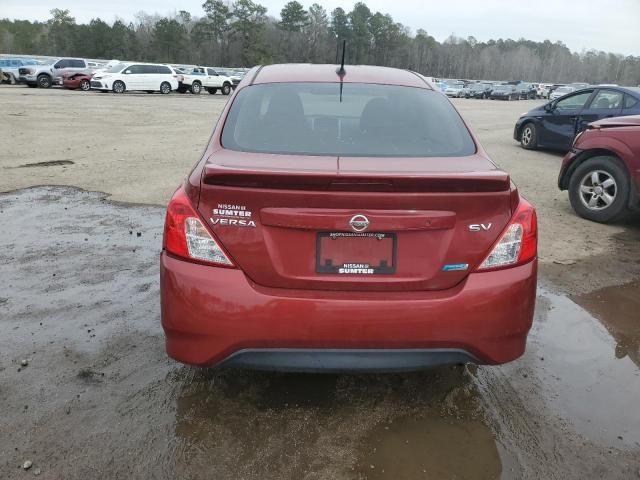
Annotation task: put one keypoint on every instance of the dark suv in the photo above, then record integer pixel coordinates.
(479, 90)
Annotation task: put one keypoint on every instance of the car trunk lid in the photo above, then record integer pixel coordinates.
(354, 223)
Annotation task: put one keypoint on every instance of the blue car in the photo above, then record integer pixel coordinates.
(554, 125)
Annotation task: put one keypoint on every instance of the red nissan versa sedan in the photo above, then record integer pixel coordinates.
(346, 222)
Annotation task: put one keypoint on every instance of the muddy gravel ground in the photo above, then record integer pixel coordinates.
(98, 398)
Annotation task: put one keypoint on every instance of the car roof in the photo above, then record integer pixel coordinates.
(289, 73)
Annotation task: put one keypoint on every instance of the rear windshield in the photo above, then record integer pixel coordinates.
(368, 120)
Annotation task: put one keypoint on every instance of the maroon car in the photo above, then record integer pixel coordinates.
(76, 81)
(602, 169)
(345, 221)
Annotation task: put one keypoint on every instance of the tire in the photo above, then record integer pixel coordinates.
(44, 81)
(196, 88)
(85, 85)
(212, 91)
(118, 86)
(607, 203)
(226, 89)
(529, 136)
(165, 88)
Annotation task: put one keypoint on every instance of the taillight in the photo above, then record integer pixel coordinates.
(186, 236)
(518, 243)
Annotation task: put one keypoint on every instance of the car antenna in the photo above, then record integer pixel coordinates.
(341, 71)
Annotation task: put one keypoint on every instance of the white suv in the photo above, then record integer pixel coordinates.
(148, 77)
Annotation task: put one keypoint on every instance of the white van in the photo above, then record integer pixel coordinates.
(148, 77)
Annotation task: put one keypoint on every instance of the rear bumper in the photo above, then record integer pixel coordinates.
(217, 316)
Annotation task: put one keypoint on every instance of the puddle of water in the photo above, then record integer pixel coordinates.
(588, 381)
(430, 447)
(618, 308)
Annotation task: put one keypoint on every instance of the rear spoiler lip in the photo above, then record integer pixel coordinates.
(486, 181)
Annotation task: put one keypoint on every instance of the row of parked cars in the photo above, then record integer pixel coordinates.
(505, 90)
(119, 77)
(488, 90)
(599, 127)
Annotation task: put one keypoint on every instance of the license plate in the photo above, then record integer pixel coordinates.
(348, 253)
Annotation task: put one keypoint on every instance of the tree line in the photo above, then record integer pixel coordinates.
(243, 34)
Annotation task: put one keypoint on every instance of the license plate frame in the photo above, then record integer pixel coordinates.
(383, 268)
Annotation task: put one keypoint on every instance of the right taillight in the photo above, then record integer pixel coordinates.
(518, 243)
(186, 236)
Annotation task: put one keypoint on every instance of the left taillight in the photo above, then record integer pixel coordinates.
(518, 243)
(186, 236)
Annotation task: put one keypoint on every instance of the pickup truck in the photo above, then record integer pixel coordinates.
(44, 76)
(11, 66)
(196, 79)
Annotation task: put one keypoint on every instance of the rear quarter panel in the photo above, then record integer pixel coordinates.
(624, 142)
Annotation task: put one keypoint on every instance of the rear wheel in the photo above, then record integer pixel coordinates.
(196, 88)
(529, 136)
(599, 189)
(85, 85)
(44, 81)
(226, 89)
(118, 86)
(165, 87)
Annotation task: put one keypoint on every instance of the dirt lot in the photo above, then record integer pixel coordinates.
(99, 398)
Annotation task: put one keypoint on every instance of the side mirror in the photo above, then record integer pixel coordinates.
(56, 66)
(549, 107)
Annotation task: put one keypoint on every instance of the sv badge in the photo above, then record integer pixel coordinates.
(480, 227)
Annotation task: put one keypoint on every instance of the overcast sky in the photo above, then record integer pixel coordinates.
(612, 26)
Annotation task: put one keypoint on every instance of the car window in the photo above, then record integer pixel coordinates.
(163, 69)
(630, 102)
(607, 100)
(77, 64)
(62, 64)
(211, 71)
(135, 69)
(574, 102)
(366, 120)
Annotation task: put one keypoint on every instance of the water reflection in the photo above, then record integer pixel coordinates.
(618, 308)
(240, 424)
(590, 382)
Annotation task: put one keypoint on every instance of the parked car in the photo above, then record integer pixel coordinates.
(561, 92)
(46, 75)
(555, 124)
(602, 169)
(103, 68)
(526, 91)
(76, 81)
(441, 86)
(479, 90)
(277, 256)
(504, 92)
(11, 67)
(543, 90)
(148, 77)
(454, 90)
(235, 76)
(197, 79)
